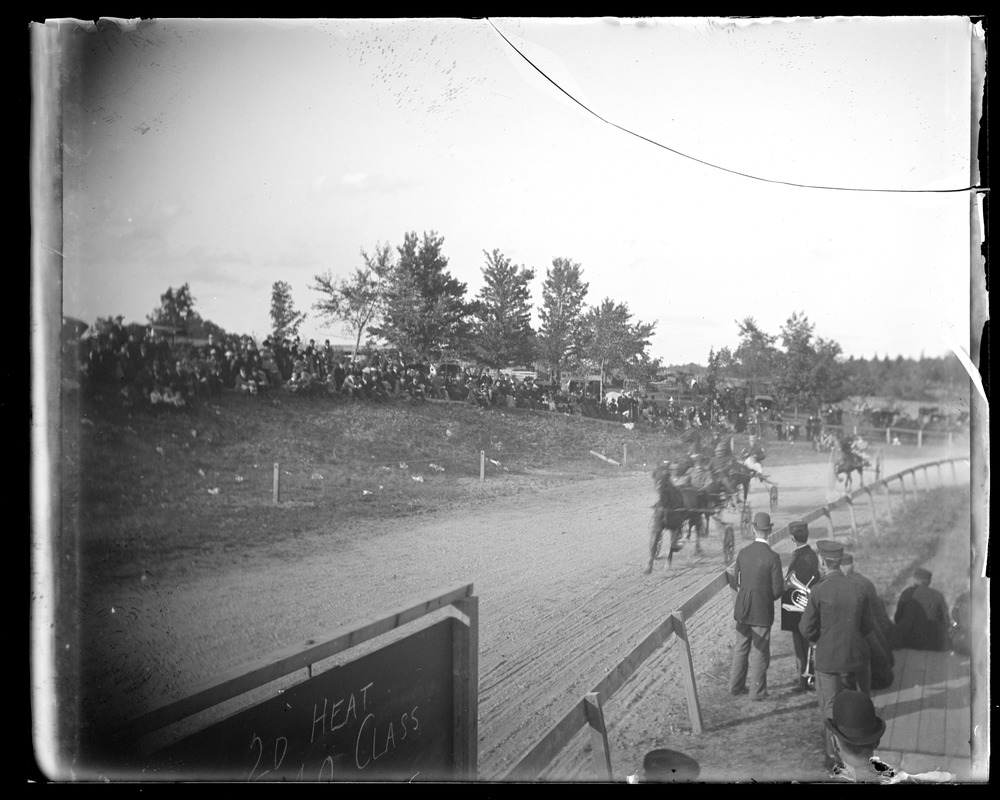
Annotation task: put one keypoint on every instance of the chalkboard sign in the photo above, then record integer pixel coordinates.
(386, 716)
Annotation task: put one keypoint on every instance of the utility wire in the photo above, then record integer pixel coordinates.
(717, 166)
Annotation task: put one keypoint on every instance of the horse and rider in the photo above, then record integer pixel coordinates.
(852, 458)
(693, 489)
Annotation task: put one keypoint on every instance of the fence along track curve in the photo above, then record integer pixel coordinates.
(588, 711)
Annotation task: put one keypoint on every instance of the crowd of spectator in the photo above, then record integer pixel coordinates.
(143, 367)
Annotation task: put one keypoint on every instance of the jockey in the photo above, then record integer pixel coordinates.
(680, 476)
(753, 455)
(700, 474)
(722, 464)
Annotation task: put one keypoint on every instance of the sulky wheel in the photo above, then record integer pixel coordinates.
(773, 498)
(728, 546)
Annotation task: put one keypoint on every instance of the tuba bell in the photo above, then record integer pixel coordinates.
(799, 598)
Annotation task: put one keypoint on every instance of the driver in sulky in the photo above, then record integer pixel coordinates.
(753, 455)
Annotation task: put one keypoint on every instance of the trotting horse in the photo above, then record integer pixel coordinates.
(675, 508)
(847, 464)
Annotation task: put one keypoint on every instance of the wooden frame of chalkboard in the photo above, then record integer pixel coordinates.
(407, 710)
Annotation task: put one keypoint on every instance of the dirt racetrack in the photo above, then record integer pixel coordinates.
(563, 597)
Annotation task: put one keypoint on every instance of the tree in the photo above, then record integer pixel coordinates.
(285, 320)
(796, 379)
(560, 332)
(502, 335)
(176, 308)
(359, 300)
(755, 352)
(425, 311)
(612, 342)
(720, 365)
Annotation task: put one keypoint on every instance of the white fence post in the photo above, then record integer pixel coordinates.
(871, 507)
(482, 466)
(854, 520)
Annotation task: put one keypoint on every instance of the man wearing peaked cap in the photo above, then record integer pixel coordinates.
(837, 619)
(879, 640)
(803, 570)
(756, 577)
(922, 615)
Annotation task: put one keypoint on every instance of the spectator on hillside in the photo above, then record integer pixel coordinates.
(244, 383)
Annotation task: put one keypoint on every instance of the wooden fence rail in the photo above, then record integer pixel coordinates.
(589, 710)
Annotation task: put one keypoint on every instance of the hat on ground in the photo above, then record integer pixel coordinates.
(762, 522)
(669, 766)
(848, 558)
(799, 531)
(830, 549)
(922, 574)
(854, 719)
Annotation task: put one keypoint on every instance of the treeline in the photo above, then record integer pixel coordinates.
(799, 368)
(407, 298)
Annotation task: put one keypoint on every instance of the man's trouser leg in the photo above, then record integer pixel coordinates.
(760, 659)
(741, 653)
(828, 686)
(801, 647)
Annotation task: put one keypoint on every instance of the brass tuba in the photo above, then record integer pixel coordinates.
(799, 597)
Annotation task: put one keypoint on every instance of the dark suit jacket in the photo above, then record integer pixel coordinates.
(886, 628)
(758, 583)
(838, 620)
(922, 618)
(805, 567)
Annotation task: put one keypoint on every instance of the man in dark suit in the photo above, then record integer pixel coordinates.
(837, 619)
(756, 577)
(922, 615)
(880, 639)
(804, 567)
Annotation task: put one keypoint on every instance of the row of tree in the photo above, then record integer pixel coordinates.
(809, 371)
(409, 300)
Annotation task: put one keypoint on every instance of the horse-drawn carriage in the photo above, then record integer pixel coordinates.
(684, 506)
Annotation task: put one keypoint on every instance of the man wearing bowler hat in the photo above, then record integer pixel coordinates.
(837, 619)
(856, 731)
(804, 569)
(756, 577)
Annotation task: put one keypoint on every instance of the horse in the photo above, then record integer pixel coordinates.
(846, 465)
(675, 507)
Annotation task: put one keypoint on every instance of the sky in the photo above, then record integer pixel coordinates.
(674, 159)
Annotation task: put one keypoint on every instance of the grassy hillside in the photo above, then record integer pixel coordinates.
(167, 487)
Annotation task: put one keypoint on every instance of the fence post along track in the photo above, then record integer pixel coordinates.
(404, 710)
(541, 754)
